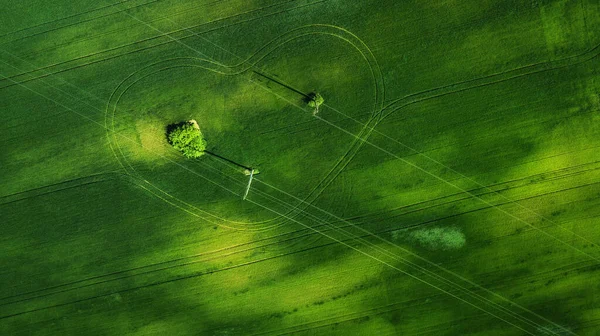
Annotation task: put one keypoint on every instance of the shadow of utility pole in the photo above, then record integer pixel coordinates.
(227, 160)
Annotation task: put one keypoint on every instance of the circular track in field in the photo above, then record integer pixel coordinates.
(136, 136)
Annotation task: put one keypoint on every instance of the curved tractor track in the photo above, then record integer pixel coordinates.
(232, 70)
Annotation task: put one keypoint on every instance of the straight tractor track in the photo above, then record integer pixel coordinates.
(64, 18)
(39, 293)
(13, 79)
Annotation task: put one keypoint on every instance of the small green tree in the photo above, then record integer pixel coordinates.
(186, 138)
(315, 100)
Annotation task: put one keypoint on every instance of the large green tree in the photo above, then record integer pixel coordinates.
(187, 138)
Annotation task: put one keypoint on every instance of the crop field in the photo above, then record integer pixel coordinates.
(448, 185)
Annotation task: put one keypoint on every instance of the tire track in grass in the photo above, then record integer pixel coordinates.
(446, 200)
(64, 18)
(393, 105)
(552, 66)
(475, 139)
(512, 73)
(186, 264)
(185, 277)
(351, 239)
(122, 157)
(60, 186)
(163, 69)
(496, 207)
(103, 33)
(194, 26)
(228, 248)
(379, 89)
(197, 274)
(145, 270)
(364, 315)
(387, 106)
(400, 103)
(246, 65)
(240, 63)
(76, 24)
(13, 81)
(415, 98)
(352, 317)
(11, 78)
(505, 187)
(348, 132)
(519, 316)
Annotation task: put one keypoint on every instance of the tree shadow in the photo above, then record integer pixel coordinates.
(171, 127)
(310, 97)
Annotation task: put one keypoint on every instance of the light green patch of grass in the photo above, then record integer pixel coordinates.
(436, 238)
(564, 22)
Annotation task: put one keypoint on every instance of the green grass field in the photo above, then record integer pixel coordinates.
(449, 184)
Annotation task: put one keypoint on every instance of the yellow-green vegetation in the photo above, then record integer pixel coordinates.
(447, 187)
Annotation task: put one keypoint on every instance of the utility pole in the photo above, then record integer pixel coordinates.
(249, 183)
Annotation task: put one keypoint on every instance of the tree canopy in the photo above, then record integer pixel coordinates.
(187, 138)
(315, 100)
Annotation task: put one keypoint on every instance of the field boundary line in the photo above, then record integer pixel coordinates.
(57, 186)
(74, 24)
